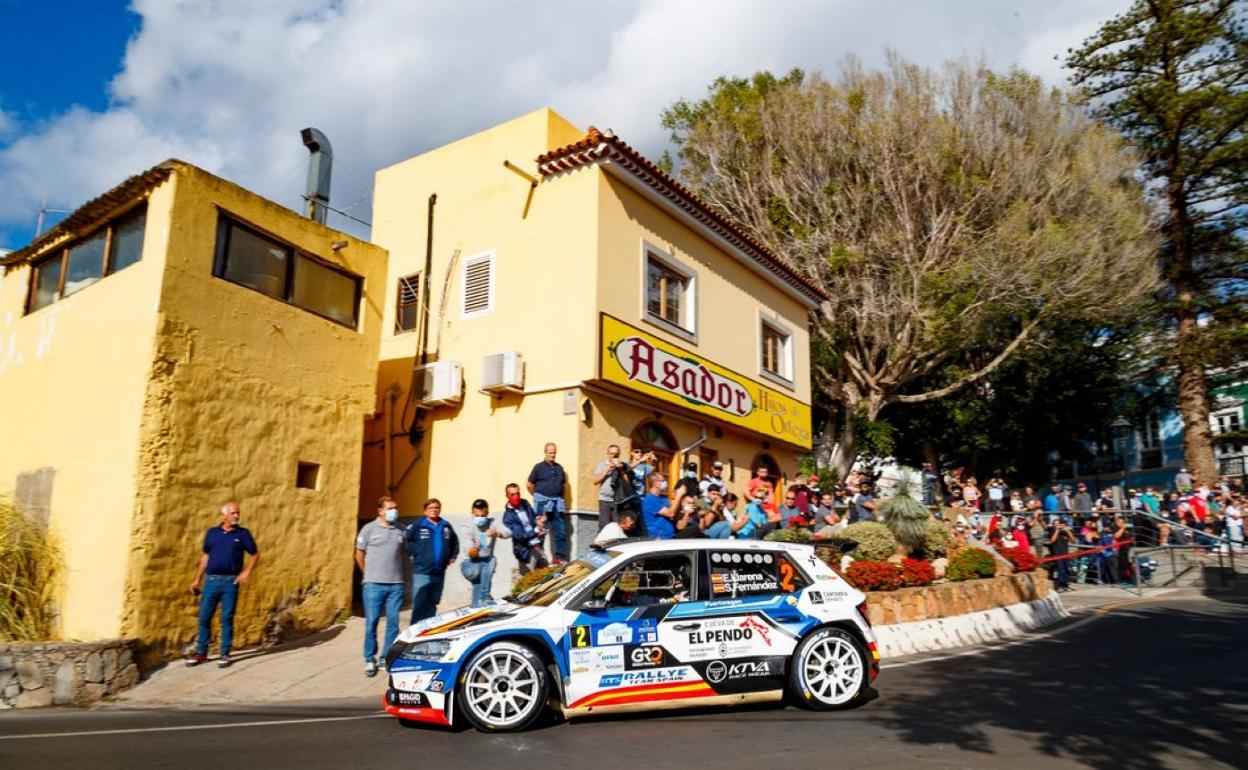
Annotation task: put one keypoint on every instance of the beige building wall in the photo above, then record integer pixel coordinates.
(241, 389)
(71, 382)
(543, 241)
(151, 397)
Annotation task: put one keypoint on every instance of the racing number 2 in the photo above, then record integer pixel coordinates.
(580, 636)
(786, 577)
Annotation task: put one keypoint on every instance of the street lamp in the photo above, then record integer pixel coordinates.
(1122, 428)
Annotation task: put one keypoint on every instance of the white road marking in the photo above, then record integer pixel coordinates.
(180, 728)
(1096, 614)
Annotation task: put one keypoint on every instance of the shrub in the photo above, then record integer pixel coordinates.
(525, 582)
(936, 540)
(868, 575)
(971, 563)
(30, 565)
(789, 535)
(1021, 559)
(916, 572)
(874, 540)
(905, 516)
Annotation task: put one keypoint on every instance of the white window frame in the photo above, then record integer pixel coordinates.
(1233, 422)
(687, 332)
(786, 379)
(487, 257)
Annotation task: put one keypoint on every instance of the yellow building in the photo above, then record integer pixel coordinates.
(172, 344)
(573, 293)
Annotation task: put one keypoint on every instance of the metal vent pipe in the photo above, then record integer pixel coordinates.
(320, 164)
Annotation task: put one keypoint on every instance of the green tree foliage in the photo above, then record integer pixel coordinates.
(951, 215)
(875, 541)
(1171, 75)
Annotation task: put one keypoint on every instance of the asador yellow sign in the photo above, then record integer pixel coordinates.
(638, 361)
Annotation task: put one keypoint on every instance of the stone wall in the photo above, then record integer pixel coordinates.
(56, 673)
(943, 600)
(951, 615)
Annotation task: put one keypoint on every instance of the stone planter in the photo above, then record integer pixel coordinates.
(58, 673)
(906, 605)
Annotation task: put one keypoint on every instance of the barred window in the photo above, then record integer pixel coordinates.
(407, 311)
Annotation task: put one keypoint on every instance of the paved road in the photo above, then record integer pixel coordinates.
(1159, 683)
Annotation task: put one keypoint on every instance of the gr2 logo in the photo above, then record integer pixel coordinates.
(646, 656)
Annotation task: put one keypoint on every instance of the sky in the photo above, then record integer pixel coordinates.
(94, 91)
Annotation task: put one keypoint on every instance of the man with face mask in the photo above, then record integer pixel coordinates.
(657, 511)
(379, 555)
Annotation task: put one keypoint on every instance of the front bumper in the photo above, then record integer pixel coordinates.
(414, 706)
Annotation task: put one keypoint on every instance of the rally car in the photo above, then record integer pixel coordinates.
(643, 625)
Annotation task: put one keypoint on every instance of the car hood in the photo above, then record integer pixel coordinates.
(475, 618)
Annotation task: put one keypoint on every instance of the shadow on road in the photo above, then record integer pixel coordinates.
(1116, 693)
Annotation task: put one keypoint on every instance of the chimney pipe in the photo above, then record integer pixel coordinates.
(319, 167)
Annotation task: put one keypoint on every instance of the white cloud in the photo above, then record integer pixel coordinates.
(228, 85)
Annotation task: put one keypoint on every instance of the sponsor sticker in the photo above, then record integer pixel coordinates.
(815, 597)
(651, 676)
(646, 656)
(615, 633)
(719, 671)
(597, 660)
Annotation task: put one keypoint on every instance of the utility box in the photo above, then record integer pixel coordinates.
(441, 382)
(503, 372)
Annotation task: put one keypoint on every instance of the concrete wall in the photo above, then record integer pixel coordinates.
(71, 405)
(240, 389)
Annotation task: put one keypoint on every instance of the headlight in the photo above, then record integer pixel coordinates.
(427, 651)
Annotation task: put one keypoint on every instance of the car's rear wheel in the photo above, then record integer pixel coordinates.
(502, 688)
(829, 670)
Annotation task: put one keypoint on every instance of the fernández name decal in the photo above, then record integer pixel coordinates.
(685, 377)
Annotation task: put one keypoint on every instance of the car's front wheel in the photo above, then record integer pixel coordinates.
(829, 670)
(502, 688)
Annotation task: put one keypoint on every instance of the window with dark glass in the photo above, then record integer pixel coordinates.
(47, 283)
(127, 241)
(406, 313)
(271, 267)
(325, 291)
(76, 266)
(253, 260)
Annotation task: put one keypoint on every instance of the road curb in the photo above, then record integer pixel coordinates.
(973, 628)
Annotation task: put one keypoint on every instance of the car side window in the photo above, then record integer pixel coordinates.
(658, 579)
(737, 574)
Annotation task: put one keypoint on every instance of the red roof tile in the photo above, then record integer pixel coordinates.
(597, 147)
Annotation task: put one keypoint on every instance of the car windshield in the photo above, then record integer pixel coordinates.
(557, 583)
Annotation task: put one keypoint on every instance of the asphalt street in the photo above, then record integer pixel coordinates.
(1141, 684)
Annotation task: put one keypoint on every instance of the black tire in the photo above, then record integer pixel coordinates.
(502, 688)
(830, 670)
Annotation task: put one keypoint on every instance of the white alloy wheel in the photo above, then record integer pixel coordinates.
(829, 669)
(503, 688)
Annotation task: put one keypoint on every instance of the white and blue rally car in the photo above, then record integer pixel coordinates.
(643, 625)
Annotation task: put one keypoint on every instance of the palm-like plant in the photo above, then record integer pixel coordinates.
(905, 516)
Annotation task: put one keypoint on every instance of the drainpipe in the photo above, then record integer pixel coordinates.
(415, 432)
(392, 398)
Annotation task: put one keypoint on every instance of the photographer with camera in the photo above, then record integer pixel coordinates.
(1060, 540)
(615, 486)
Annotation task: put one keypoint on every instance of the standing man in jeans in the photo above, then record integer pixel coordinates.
(432, 546)
(379, 555)
(221, 571)
(546, 482)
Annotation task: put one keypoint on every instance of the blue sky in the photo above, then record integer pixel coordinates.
(94, 91)
(40, 80)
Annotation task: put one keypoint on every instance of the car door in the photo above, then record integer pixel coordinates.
(741, 632)
(614, 655)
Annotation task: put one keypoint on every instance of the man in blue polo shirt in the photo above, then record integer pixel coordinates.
(221, 571)
(546, 482)
(432, 546)
(657, 509)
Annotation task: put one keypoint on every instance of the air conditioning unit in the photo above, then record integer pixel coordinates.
(503, 371)
(441, 382)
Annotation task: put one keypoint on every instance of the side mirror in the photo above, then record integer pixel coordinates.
(594, 604)
(847, 546)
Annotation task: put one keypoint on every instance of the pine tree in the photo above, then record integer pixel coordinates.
(1171, 75)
